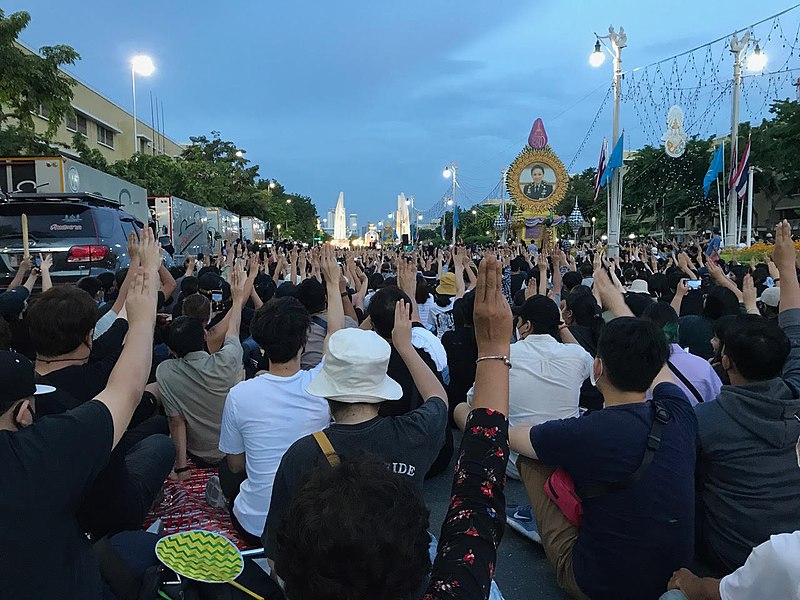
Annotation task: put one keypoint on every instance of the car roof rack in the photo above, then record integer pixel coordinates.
(76, 198)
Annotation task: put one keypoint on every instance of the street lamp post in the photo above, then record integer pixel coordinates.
(143, 65)
(594, 219)
(618, 40)
(449, 170)
(756, 63)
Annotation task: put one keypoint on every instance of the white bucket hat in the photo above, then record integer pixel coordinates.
(354, 369)
(638, 286)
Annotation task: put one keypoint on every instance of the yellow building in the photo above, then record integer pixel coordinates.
(105, 126)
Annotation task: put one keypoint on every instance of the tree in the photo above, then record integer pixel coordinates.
(660, 186)
(29, 84)
(774, 150)
(160, 175)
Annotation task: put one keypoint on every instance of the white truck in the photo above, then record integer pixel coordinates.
(254, 230)
(59, 174)
(222, 226)
(180, 224)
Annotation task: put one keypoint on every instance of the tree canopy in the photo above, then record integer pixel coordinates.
(30, 84)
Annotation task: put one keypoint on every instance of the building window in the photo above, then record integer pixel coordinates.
(76, 122)
(680, 222)
(44, 111)
(105, 136)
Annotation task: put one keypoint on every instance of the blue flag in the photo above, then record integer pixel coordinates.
(455, 217)
(714, 169)
(442, 233)
(614, 161)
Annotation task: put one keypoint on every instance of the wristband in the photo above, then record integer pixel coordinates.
(182, 469)
(503, 358)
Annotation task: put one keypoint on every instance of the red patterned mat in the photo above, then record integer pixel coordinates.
(184, 507)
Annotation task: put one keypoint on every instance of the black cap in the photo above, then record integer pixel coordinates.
(541, 312)
(17, 375)
(12, 302)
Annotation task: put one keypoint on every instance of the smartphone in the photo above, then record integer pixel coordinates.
(693, 284)
(38, 261)
(216, 296)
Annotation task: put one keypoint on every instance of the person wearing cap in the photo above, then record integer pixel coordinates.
(355, 382)
(440, 317)
(48, 465)
(263, 416)
(768, 302)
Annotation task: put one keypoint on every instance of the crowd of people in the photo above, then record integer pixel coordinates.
(648, 402)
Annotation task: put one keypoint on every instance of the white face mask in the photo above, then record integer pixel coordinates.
(592, 378)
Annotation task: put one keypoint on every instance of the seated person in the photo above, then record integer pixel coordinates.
(354, 380)
(769, 572)
(636, 529)
(48, 465)
(193, 386)
(265, 415)
(746, 464)
(377, 544)
(61, 323)
(695, 376)
(311, 294)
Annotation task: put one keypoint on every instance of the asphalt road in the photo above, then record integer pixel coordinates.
(522, 571)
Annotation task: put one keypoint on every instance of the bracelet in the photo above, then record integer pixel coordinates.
(182, 469)
(504, 358)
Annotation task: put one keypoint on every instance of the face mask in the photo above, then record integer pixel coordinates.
(592, 378)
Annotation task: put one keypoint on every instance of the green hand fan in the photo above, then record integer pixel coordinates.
(203, 556)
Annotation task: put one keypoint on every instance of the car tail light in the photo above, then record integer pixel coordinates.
(81, 254)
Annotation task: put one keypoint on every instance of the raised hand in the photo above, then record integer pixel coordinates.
(238, 283)
(46, 262)
(149, 251)
(783, 253)
(141, 300)
(133, 247)
(748, 294)
(328, 265)
(492, 314)
(401, 332)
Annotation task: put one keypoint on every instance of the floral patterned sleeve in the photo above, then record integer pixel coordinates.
(507, 284)
(473, 527)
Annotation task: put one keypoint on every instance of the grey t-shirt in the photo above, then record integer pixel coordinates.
(408, 444)
(312, 355)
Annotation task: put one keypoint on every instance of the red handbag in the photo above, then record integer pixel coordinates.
(560, 488)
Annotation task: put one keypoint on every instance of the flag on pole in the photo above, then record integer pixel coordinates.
(714, 169)
(455, 216)
(601, 167)
(442, 232)
(614, 161)
(739, 180)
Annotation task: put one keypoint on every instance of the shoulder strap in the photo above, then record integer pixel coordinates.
(684, 380)
(661, 417)
(327, 448)
(321, 322)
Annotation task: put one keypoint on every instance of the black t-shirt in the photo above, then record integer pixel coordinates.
(398, 371)
(517, 279)
(409, 444)
(630, 542)
(45, 469)
(462, 352)
(77, 384)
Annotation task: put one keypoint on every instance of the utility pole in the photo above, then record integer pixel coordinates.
(737, 47)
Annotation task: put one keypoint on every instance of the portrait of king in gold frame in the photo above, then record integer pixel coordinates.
(537, 178)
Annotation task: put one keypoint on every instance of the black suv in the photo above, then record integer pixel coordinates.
(86, 234)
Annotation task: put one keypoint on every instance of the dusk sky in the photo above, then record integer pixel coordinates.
(375, 98)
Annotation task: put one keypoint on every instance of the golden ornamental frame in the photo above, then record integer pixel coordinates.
(525, 160)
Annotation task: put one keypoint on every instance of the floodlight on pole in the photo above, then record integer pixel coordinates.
(239, 154)
(141, 64)
(757, 60)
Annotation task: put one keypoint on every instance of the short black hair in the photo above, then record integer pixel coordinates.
(720, 301)
(90, 285)
(586, 269)
(354, 531)
(60, 320)
(570, 280)
(633, 351)
(537, 166)
(663, 315)
(519, 264)
(197, 306)
(381, 309)
(107, 280)
(758, 347)
(280, 328)
(311, 294)
(189, 285)
(186, 334)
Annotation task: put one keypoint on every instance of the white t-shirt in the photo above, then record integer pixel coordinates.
(425, 310)
(262, 418)
(771, 571)
(544, 383)
(440, 318)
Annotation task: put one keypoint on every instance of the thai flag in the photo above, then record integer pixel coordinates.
(739, 179)
(601, 167)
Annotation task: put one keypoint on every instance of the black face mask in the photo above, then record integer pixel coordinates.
(17, 411)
